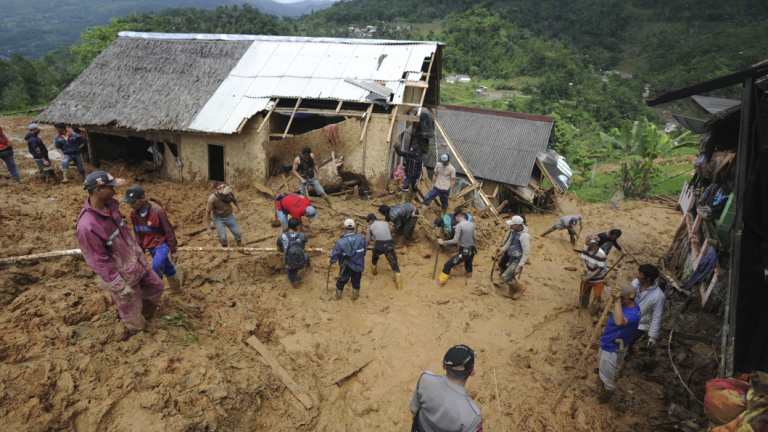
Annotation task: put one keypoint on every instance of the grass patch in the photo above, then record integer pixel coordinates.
(601, 186)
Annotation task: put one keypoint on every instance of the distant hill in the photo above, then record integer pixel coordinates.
(35, 27)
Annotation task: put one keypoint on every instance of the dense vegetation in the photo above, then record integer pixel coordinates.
(587, 63)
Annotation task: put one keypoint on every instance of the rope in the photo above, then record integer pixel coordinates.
(677, 372)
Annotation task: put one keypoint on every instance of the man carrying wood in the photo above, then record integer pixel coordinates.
(593, 278)
(378, 232)
(515, 250)
(220, 213)
(292, 244)
(294, 206)
(154, 233)
(403, 217)
(441, 403)
(465, 239)
(305, 169)
(443, 181)
(349, 251)
(111, 251)
(620, 331)
(567, 223)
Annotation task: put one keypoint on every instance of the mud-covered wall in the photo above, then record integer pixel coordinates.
(374, 146)
(244, 156)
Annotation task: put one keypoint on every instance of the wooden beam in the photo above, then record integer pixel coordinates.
(363, 135)
(290, 120)
(425, 88)
(281, 373)
(269, 114)
(465, 168)
(392, 124)
(338, 107)
(467, 190)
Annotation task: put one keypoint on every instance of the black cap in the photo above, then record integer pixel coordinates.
(98, 178)
(384, 209)
(293, 223)
(460, 359)
(133, 194)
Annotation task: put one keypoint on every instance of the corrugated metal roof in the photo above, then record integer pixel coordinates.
(714, 105)
(497, 146)
(310, 69)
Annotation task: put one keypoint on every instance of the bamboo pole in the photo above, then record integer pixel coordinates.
(269, 114)
(290, 120)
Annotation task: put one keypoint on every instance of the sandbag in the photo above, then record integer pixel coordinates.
(725, 399)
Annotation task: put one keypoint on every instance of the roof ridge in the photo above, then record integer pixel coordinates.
(247, 37)
(512, 114)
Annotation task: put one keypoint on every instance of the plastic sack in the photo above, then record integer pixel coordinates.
(725, 399)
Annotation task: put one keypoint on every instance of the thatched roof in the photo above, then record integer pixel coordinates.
(146, 84)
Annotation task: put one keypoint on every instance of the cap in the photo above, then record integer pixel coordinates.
(444, 157)
(293, 223)
(349, 223)
(516, 220)
(460, 359)
(133, 193)
(310, 212)
(33, 126)
(98, 178)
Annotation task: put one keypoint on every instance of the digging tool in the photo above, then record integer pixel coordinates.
(437, 257)
(493, 268)
(328, 278)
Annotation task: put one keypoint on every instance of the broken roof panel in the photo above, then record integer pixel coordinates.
(714, 105)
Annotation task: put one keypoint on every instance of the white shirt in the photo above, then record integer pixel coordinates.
(444, 175)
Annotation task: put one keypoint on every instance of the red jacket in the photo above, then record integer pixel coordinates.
(152, 227)
(293, 204)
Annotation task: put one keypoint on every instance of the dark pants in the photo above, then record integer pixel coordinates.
(10, 163)
(437, 193)
(410, 183)
(386, 248)
(344, 277)
(465, 255)
(407, 227)
(293, 273)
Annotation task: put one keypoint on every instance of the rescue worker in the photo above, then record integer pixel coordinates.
(70, 144)
(349, 251)
(567, 223)
(465, 239)
(38, 150)
(220, 213)
(609, 240)
(294, 206)
(111, 251)
(447, 222)
(6, 154)
(593, 279)
(154, 233)
(413, 162)
(305, 169)
(443, 181)
(619, 332)
(292, 244)
(403, 217)
(651, 300)
(378, 232)
(515, 250)
(440, 403)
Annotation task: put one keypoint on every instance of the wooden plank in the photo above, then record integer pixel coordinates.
(338, 107)
(465, 168)
(500, 207)
(269, 114)
(281, 373)
(349, 373)
(420, 84)
(290, 120)
(392, 124)
(495, 192)
(467, 190)
(426, 80)
(363, 139)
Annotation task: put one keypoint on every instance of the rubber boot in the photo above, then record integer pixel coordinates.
(442, 278)
(374, 270)
(174, 284)
(148, 309)
(64, 178)
(338, 294)
(355, 294)
(399, 280)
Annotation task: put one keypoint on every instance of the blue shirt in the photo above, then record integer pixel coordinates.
(350, 250)
(626, 332)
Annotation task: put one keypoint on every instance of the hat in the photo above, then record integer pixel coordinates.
(628, 291)
(293, 223)
(33, 126)
(516, 220)
(460, 359)
(349, 223)
(98, 178)
(444, 158)
(133, 194)
(310, 212)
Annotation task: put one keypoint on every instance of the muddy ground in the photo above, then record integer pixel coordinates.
(63, 368)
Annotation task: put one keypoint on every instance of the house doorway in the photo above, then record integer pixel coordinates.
(215, 162)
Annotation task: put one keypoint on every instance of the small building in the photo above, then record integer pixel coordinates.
(240, 107)
(510, 153)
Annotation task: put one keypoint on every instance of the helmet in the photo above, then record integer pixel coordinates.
(516, 220)
(444, 158)
(310, 212)
(349, 223)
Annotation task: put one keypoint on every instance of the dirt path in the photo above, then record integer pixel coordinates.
(62, 368)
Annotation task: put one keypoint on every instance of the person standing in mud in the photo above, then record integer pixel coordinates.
(403, 217)
(464, 237)
(513, 254)
(349, 252)
(378, 232)
(441, 403)
(70, 144)
(305, 169)
(569, 223)
(111, 251)
(220, 213)
(154, 233)
(620, 331)
(292, 243)
(6, 154)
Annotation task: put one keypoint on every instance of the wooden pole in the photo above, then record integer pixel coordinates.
(290, 120)
(281, 373)
(392, 124)
(269, 114)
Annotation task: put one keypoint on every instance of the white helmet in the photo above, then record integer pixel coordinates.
(349, 223)
(516, 220)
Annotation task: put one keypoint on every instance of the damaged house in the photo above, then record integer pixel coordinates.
(509, 153)
(720, 251)
(238, 108)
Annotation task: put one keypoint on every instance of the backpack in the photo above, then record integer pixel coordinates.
(294, 252)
